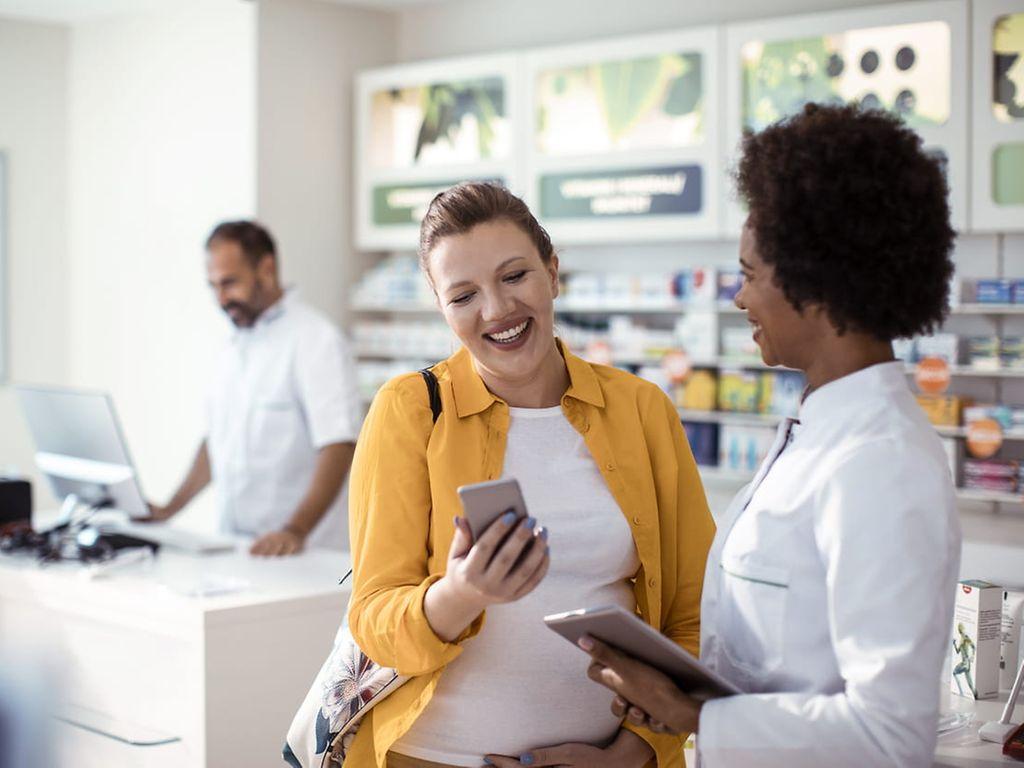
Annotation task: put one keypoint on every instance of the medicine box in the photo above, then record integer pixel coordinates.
(942, 410)
(1011, 654)
(977, 619)
(993, 292)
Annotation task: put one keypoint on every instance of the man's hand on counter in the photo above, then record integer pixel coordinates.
(157, 514)
(277, 543)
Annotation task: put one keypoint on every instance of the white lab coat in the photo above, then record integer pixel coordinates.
(829, 588)
(283, 389)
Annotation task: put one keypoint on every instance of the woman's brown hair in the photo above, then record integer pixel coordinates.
(464, 206)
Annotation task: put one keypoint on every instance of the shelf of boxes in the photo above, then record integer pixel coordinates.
(970, 371)
(568, 308)
(734, 477)
(729, 417)
(987, 309)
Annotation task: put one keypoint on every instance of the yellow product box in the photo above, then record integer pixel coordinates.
(739, 391)
(943, 410)
(699, 392)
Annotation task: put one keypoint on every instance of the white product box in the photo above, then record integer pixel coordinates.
(942, 345)
(697, 334)
(977, 619)
(1010, 652)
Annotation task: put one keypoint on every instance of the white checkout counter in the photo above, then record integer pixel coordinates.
(155, 670)
(962, 748)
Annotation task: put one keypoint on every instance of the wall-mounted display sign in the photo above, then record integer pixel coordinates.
(3, 268)
(665, 191)
(623, 144)
(997, 178)
(444, 123)
(422, 128)
(628, 105)
(406, 204)
(904, 68)
(909, 59)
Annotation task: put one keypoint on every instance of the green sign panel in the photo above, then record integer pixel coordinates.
(399, 205)
(622, 193)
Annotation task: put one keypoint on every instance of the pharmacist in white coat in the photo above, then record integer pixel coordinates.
(283, 409)
(829, 588)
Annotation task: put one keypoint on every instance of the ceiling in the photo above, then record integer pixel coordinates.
(72, 11)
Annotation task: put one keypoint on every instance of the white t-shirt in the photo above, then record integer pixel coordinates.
(517, 685)
(283, 389)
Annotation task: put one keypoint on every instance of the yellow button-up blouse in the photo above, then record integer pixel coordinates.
(402, 501)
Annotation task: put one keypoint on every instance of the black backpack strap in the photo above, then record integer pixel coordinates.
(433, 392)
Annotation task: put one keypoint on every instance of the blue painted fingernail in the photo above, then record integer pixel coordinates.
(526, 759)
(530, 522)
(488, 761)
(455, 521)
(508, 518)
(544, 533)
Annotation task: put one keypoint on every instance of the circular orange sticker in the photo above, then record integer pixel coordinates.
(932, 375)
(676, 365)
(984, 438)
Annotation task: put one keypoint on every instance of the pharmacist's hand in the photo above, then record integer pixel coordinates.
(489, 572)
(646, 697)
(277, 543)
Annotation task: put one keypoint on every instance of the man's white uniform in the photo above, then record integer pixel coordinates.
(283, 389)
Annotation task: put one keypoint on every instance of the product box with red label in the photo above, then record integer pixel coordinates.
(977, 619)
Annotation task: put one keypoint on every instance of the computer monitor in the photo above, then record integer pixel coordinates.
(80, 447)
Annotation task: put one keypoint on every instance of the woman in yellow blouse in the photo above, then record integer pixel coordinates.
(605, 469)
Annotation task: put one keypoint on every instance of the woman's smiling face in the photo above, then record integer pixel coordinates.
(497, 295)
(781, 332)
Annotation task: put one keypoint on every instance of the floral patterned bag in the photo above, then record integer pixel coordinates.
(348, 686)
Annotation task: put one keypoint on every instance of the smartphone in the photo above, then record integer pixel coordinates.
(483, 503)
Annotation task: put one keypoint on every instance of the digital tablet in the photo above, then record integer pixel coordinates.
(628, 633)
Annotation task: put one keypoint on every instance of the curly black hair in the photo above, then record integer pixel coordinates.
(852, 215)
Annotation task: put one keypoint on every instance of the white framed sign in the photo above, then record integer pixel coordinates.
(910, 58)
(422, 128)
(623, 138)
(997, 127)
(4, 305)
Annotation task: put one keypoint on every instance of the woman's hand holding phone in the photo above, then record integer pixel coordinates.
(490, 571)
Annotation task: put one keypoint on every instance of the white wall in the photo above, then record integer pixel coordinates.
(162, 146)
(309, 52)
(33, 134)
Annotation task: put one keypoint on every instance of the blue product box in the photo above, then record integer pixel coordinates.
(703, 439)
(1017, 291)
(994, 292)
(730, 282)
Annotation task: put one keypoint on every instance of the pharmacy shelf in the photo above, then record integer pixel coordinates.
(771, 420)
(569, 307)
(991, 497)
(735, 477)
(365, 353)
(398, 307)
(565, 308)
(988, 309)
(967, 371)
(1014, 435)
(729, 417)
(719, 475)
